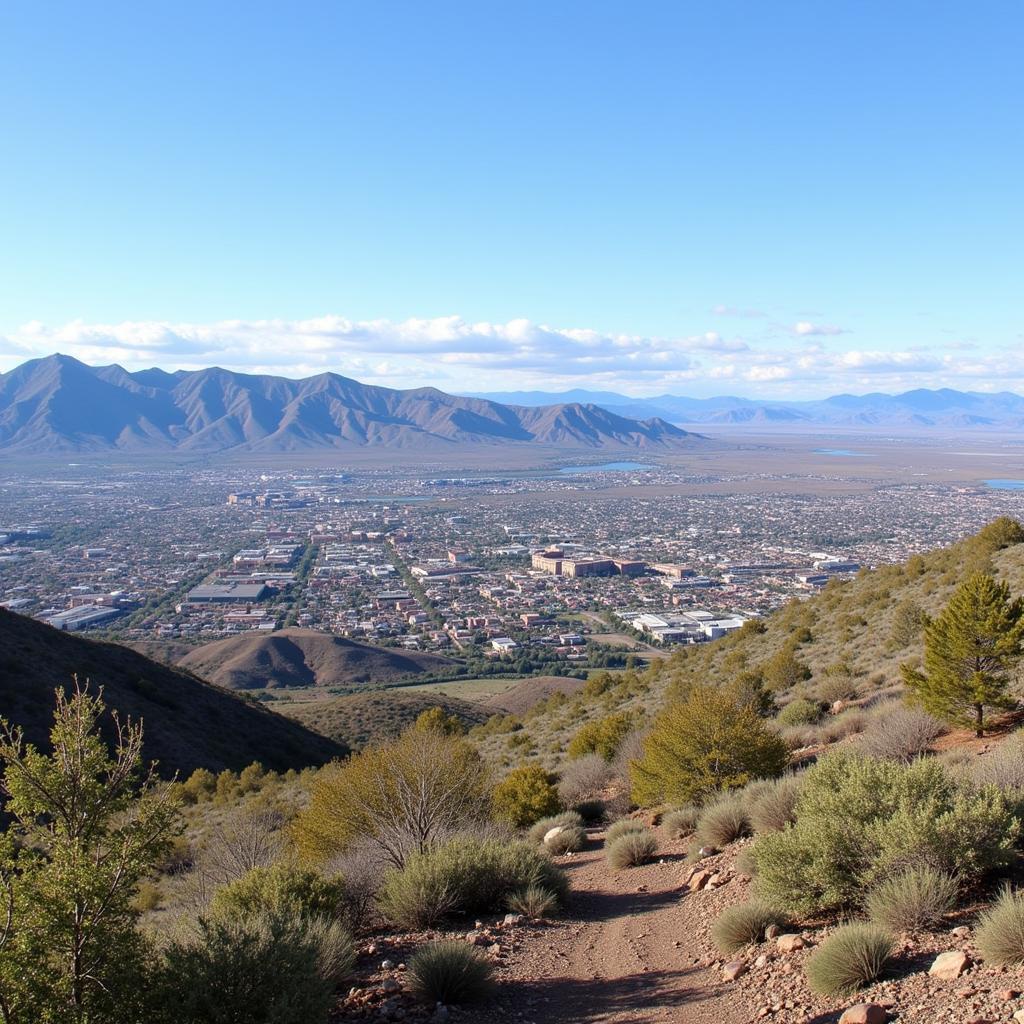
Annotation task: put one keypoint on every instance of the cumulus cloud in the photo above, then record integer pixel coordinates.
(807, 328)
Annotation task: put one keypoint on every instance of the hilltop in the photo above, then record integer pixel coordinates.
(188, 723)
(303, 657)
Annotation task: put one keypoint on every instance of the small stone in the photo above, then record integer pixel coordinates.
(514, 919)
(390, 985)
(698, 880)
(772, 931)
(790, 943)
(386, 965)
(553, 833)
(1006, 994)
(864, 1013)
(950, 965)
(961, 932)
(494, 948)
(733, 970)
(1019, 1015)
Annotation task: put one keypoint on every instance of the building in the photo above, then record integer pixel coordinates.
(549, 561)
(227, 593)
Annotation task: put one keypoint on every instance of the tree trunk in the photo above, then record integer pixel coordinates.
(979, 720)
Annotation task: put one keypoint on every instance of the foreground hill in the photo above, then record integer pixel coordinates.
(304, 657)
(60, 404)
(188, 723)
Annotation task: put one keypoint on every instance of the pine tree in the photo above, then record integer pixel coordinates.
(970, 652)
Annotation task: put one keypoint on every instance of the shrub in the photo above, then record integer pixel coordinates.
(859, 820)
(622, 827)
(1000, 931)
(775, 806)
(800, 712)
(746, 862)
(631, 849)
(848, 959)
(602, 736)
(743, 925)
(899, 733)
(783, 670)
(526, 795)
(913, 899)
(404, 796)
(276, 889)
(534, 902)
(1003, 767)
(449, 972)
(263, 969)
(466, 876)
(722, 823)
(711, 741)
(681, 822)
(591, 811)
(569, 840)
(584, 778)
(539, 829)
(849, 723)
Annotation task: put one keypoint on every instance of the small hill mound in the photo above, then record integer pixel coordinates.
(188, 723)
(530, 692)
(304, 657)
(359, 719)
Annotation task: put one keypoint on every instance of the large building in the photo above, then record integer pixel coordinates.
(227, 593)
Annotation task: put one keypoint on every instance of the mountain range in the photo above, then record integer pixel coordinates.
(918, 409)
(58, 404)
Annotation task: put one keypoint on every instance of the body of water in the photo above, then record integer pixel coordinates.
(1006, 485)
(841, 452)
(608, 467)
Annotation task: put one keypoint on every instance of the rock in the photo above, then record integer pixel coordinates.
(390, 985)
(494, 948)
(790, 943)
(475, 939)
(864, 1013)
(1019, 1015)
(553, 833)
(698, 880)
(387, 965)
(1006, 994)
(706, 851)
(514, 919)
(949, 966)
(772, 931)
(961, 932)
(733, 970)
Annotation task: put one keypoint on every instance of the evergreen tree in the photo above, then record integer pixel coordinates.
(970, 652)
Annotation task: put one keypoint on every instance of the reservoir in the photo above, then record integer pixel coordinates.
(1006, 485)
(608, 467)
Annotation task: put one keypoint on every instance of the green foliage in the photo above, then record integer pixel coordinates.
(859, 819)
(743, 925)
(260, 969)
(711, 741)
(1000, 931)
(971, 650)
(449, 972)
(800, 712)
(602, 736)
(622, 827)
(631, 849)
(848, 959)
(722, 823)
(912, 899)
(526, 795)
(466, 876)
(405, 797)
(438, 720)
(86, 827)
(279, 889)
(784, 670)
(908, 619)
(199, 786)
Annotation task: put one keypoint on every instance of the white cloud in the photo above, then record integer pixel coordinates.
(806, 328)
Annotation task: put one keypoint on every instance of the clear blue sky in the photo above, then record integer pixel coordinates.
(848, 175)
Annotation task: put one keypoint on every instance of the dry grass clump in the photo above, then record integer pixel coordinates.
(584, 778)
(848, 959)
(1000, 932)
(912, 900)
(723, 823)
(848, 723)
(622, 827)
(1002, 767)
(798, 737)
(569, 840)
(631, 849)
(681, 822)
(775, 804)
(743, 925)
(534, 902)
(449, 972)
(900, 733)
(539, 829)
(746, 862)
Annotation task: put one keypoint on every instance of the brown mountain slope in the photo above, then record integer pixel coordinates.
(523, 696)
(304, 657)
(188, 723)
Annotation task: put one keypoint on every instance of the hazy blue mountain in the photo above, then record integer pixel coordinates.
(918, 409)
(60, 404)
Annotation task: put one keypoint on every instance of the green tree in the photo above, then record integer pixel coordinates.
(87, 824)
(601, 736)
(438, 720)
(526, 795)
(784, 670)
(970, 651)
(712, 740)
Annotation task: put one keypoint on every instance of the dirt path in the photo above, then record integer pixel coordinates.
(623, 953)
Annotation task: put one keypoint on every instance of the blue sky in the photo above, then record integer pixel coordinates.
(760, 198)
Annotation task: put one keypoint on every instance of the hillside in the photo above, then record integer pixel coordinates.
(188, 723)
(59, 404)
(304, 657)
(532, 691)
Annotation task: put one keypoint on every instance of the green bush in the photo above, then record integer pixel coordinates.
(526, 795)
(681, 822)
(913, 899)
(449, 972)
(569, 840)
(621, 828)
(848, 959)
(743, 925)
(773, 807)
(1000, 931)
(261, 969)
(722, 823)
(602, 736)
(465, 876)
(279, 888)
(858, 820)
(746, 862)
(539, 829)
(800, 712)
(631, 849)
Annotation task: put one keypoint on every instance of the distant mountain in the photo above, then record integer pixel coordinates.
(59, 404)
(919, 409)
(187, 723)
(304, 657)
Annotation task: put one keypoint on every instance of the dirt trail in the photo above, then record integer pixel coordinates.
(624, 952)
